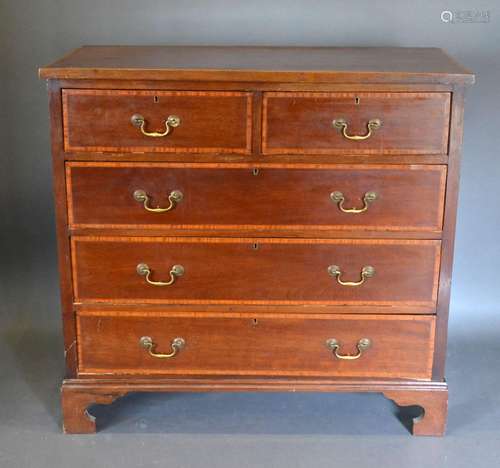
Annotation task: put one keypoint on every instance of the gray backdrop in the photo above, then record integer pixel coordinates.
(35, 32)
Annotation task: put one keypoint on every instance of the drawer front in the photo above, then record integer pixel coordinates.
(208, 122)
(249, 271)
(236, 196)
(302, 123)
(399, 346)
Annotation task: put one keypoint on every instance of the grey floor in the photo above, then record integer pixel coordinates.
(232, 430)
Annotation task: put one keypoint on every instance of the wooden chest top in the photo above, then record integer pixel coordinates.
(261, 64)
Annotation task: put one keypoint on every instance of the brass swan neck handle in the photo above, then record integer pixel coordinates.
(366, 272)
(371, 126)
(362, 345)
(175, 197)
(338, 198)
(144, 270)
(171, 121)
(176, 344)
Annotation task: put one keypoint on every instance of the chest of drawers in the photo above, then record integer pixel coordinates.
(255, 219)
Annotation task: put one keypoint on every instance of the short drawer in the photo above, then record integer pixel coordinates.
(298, 198)
(355, 123)
(248, 271)
(399, 346)
(157, 121)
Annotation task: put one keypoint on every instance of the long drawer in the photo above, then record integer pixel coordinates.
(299, 197)
(399, 346)
(246, 271)
(355, 123)
(157, 121)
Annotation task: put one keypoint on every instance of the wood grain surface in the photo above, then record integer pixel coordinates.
(273, 271)
(257, 64)
(213, 122)
(247, 344)
(243, 197)
(302, 123)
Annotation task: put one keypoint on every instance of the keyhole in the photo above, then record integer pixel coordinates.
(356, 100)
(255, 246)
(255, 171)
(255, 322)
(156, 99)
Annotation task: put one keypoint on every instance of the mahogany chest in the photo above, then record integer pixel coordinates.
(255, 219)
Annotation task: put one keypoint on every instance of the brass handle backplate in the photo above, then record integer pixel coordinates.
(334, 345)
(341, 124)
(176, 344)
(366, 272)
(338, 197)
(144, 270)
(175, 197)
(140, 122)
